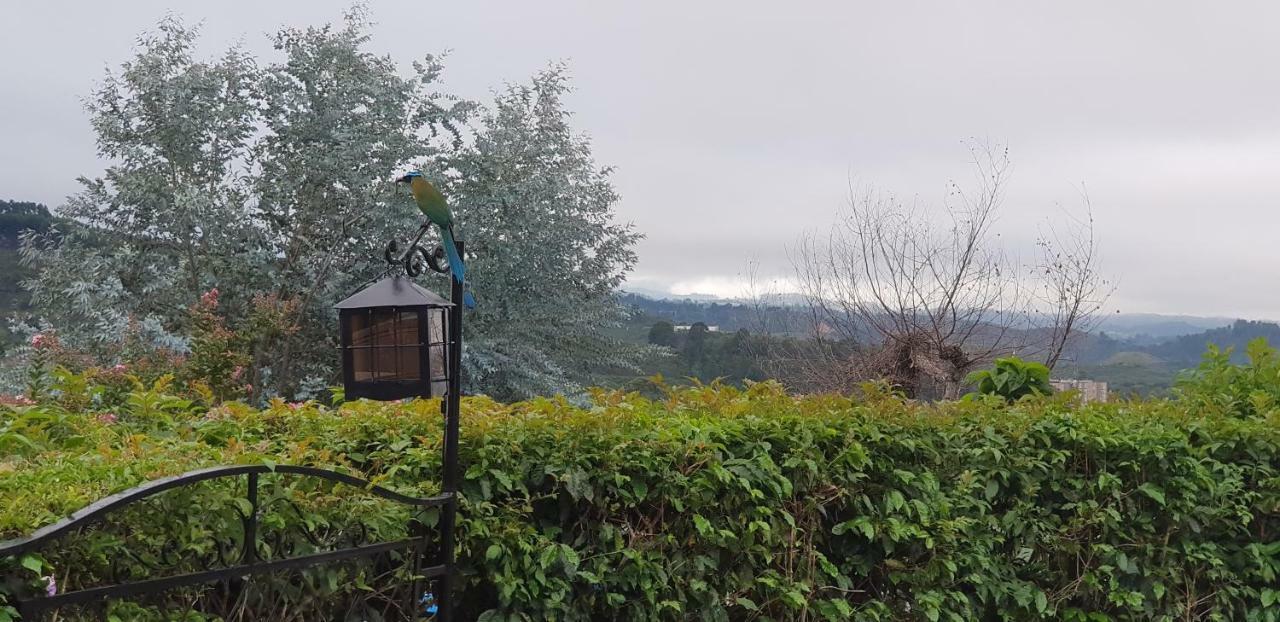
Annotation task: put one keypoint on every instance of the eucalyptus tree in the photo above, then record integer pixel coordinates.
(549, 254)
(272, 183)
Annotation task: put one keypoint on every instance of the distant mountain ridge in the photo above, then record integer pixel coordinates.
(1158, 326)
(656, 294)
(1145, 327)
(1134, 352)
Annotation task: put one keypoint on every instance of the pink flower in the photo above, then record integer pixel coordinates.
(294, 405)
(235, 373)
(15, 400)
(210, 298)
(248, 388)
(108, 418)
(37, 340)
(120, 368)
(50, 586)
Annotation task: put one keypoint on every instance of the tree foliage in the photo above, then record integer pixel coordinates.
(271, 178)
(662, 333)
(539, 224)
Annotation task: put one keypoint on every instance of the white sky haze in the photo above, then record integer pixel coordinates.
(736, 126)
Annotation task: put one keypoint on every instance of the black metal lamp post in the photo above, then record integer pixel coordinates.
(400, 340)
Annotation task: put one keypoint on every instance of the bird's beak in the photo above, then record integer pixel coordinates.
(403, 180)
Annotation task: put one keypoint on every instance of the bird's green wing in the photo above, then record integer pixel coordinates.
(431, 202)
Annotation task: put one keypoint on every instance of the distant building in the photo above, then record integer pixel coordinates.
(1090, 390)
(686, 327)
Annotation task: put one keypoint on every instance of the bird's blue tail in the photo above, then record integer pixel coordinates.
(456, 267)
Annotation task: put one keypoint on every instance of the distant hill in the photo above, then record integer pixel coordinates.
(727, 316)
(16, 217)
(654, 294)
(1155, 327)
(1132, 358)
(1188, 349)
(1136, 353)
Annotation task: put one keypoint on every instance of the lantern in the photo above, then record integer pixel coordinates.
(395, 341)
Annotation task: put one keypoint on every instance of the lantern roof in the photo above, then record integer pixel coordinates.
(393, 291)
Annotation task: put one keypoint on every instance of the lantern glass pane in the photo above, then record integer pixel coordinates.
(384, 328)
(384, 363)
(407, 363)
(362, 364)
(360, 334)
(435, 326)
(385, 346)
(407, 328)
(361, 339)
(437, 357)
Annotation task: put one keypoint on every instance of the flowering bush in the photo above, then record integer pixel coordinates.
(226, 363)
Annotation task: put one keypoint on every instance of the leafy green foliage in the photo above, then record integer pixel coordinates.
(1252, 389)
(1012, 379)
(714, 503)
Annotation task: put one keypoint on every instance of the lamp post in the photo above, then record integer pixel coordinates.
(401, 340)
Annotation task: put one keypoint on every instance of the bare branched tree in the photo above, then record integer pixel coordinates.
(796, 344)
(894, 296)
(1070, 289)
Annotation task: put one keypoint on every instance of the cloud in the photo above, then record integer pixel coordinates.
(736, 126)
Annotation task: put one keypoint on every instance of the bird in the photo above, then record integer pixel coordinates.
(433, 205)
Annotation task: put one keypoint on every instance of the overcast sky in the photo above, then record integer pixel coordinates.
(736, 126)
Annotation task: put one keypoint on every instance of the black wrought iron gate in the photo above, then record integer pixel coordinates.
(245, 562)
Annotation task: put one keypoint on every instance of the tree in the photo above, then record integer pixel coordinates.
(264, 182)
(271, 182)
(339, 121)
(695, 345)
(147, 238)
(893, 297)
(545, 254)
(663, 333)
(19, 216)
(1070, 289)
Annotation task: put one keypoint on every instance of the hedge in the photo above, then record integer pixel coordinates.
(713, 503)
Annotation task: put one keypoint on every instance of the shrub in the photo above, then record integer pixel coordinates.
(713, 503)
(1012, 379)
(1220, 386)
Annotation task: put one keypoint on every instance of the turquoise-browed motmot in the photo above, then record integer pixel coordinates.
(433, 205)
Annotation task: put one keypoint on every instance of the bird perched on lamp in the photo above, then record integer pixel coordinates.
(432, 204)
